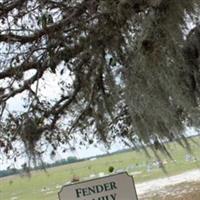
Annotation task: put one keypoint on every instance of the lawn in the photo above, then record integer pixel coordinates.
(45, 186)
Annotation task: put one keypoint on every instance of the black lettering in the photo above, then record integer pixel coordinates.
(91, 190)
(85, 191)
(99, 188)
(113, 196)
(107, 186)
(78, 192)
(107, 198)
(113, 185)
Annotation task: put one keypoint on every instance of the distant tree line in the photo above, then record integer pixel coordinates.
(14, 171)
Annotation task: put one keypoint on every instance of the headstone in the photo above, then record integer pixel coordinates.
(136, 173)
(101, 174)
(92, 175)
(120, 170)
(58, 186)
(149, 167)
(114, 187)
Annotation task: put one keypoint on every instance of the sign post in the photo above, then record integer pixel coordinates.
(114, 187)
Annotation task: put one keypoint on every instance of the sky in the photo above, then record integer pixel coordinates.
(80, 152)
(50, 89)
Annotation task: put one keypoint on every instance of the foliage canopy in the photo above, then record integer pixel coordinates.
(127, 68)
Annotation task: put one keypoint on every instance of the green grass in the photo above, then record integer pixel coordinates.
(31, 188)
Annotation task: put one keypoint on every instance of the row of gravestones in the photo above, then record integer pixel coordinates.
(132, 169)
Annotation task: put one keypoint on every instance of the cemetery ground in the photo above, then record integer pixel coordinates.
(182, 191)
(45, 185)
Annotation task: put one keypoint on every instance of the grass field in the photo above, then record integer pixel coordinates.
(45, 186)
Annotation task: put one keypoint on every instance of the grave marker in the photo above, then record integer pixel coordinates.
(114, 187)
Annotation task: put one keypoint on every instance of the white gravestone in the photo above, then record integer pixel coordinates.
(114, 187)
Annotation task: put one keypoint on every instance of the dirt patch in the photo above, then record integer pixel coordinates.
(183, 191)
(185, 186)
(159, 184)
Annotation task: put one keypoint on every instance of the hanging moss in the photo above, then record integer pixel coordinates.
(159, 82)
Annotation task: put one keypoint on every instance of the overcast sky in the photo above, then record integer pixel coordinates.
(50, 89)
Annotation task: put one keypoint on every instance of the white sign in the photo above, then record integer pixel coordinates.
(114, 187)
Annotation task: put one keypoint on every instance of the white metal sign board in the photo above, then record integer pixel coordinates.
(114, 187)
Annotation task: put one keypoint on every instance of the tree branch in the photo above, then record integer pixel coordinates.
(6, 8)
